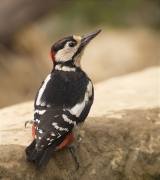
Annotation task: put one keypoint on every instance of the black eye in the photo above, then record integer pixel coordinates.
(72, 44)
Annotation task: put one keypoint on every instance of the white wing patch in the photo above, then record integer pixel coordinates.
(43, 104)
(38, 101)
(59, 135)
(39, 111)
(52, 134)
(40, 131)
(89, 88)
(88, 93)
(77, 109)
(59, 128)
(68, 120)
(37, 120)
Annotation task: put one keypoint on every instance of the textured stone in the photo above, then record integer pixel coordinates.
(121, 136)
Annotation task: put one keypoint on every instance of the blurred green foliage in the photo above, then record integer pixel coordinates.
(112, 12)
(78, 15)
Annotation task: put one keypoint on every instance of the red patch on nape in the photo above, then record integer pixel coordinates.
(52, 55)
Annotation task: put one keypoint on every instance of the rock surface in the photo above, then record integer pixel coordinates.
(121, 136)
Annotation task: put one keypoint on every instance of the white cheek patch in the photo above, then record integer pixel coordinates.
(66, 53)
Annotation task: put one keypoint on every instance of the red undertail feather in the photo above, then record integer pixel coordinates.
(33, 131)
(66, 141)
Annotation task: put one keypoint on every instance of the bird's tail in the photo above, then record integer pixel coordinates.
(42, 157)
(31, 151)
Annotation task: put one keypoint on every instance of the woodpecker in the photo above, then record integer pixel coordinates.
(62, 102)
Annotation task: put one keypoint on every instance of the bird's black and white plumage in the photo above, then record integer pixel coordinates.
(63, 100)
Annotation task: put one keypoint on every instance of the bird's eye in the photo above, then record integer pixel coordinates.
(72, 44)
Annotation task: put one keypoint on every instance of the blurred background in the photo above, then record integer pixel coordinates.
(129, 40)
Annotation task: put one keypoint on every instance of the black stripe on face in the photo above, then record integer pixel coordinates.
(78, 51)
(61, 43)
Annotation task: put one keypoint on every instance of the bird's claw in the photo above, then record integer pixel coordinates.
(30, 122)
(73, 151)
(74, 154)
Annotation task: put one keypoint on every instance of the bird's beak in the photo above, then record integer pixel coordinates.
(87, 38)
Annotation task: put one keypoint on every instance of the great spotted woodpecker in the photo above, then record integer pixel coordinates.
(62, 102)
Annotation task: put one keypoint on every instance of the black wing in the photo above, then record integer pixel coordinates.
(53, 128)
(54, 123)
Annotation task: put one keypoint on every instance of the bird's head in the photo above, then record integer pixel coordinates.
(70, 49)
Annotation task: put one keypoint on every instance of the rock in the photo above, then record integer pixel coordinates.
(121, 136)
(136, 90)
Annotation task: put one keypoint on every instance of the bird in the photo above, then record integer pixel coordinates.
(62, 102)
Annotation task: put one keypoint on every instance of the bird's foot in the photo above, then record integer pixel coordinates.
(73, 151)
(30, 122)
(77, 142)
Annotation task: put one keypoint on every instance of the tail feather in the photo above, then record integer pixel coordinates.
(31, 151)
(43, 156)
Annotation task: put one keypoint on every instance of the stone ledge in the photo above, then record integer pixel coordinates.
(121, 136)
